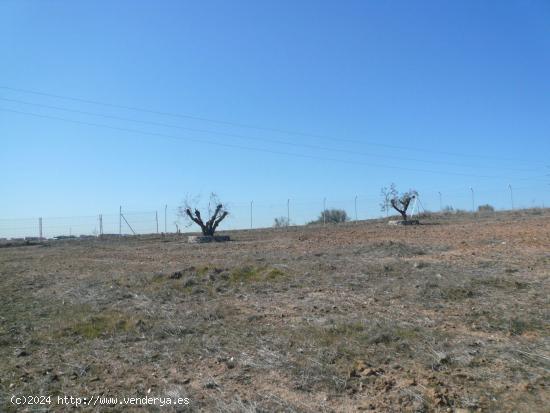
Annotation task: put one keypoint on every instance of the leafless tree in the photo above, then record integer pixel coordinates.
(217, 212)
(399, 202)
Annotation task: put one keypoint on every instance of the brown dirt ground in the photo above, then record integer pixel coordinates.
(451, 315)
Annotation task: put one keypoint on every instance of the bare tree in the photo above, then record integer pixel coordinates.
(386, 195)
(399, 202)
(217, 212)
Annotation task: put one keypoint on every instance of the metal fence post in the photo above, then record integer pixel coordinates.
(288, 212)
(251, 203)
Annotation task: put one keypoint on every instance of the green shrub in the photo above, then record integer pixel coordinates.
(486, 208)
(331, 216)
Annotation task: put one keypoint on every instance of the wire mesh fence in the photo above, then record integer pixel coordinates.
(253, 214)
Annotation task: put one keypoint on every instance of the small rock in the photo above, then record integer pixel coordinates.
(372, 372)
(443, 358)
(21, 352)
(210, 384)
(231, 363)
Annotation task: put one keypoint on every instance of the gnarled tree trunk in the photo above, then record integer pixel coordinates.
(404, 206)
(209, 227)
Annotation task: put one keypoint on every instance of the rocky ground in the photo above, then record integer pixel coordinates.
(451, 315)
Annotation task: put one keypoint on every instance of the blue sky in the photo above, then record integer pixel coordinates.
(302, 100)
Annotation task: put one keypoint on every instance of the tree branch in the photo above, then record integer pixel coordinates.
(220, 219)
(196, 219)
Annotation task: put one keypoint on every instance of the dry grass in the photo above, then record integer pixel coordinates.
(444, 316)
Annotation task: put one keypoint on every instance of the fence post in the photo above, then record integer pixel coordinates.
(324, 211)
(157, 220)
(100, 224)
(288, 212)
(251, 203)
(165, 212)
(40, 227)
(355, 208)
(120, 220)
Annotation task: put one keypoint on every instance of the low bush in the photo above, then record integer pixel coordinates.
(281, 222)
(486, 208)
(331, 216)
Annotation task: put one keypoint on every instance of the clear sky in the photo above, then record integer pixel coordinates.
(269, 101)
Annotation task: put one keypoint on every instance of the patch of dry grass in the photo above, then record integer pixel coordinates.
(350, 317)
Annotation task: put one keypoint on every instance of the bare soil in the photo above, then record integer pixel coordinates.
(450, 315)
